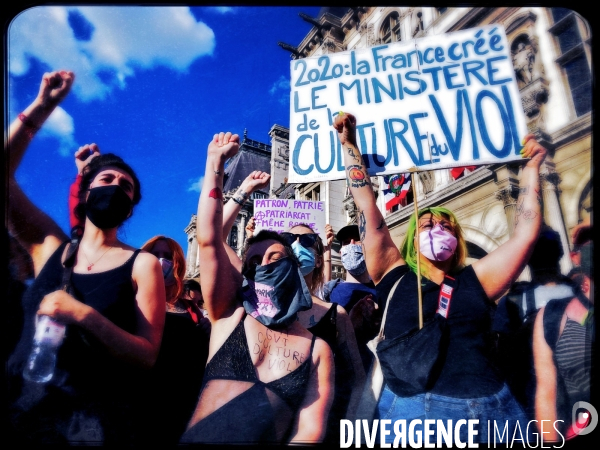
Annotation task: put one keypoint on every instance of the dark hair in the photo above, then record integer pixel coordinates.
(191, 285)
(98, 164)
(266, 235)
(547, 250)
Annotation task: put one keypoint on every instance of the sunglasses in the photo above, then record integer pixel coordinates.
(306, 240)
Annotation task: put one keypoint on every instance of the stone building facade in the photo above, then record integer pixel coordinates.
(551, 49)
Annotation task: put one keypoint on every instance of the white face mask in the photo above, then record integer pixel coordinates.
(437, 244)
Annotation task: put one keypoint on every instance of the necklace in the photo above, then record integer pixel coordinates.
(91, 264)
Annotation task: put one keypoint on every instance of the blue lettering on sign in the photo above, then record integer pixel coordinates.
(485, 137)
(418, 137)
(377, 86)
(314, 97)
(472, 67)
(297, 103)
(454, 142)
(491, 70)
(296, 156)
(317, 157)
(356, 84)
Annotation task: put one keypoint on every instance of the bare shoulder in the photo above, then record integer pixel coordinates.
(144, 260)
(322, 352)
(341, 311)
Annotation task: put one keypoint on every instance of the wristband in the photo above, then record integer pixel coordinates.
(241, 203)
(29, 124)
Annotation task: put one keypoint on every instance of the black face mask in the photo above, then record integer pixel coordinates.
(107, 206)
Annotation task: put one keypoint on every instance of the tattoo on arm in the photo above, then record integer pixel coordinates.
(216, 193)
(357, 177)
(352, 154)
(362, 226)
(381, 224)
(240, 197)
(527, 214)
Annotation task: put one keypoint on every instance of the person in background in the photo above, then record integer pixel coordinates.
(563, 350)
(184, 349)
(515, 317)
(465, 384)
(357, 293)
(330, 322)
(267, 378)
(114, 312)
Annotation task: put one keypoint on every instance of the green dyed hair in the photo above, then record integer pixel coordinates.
(409, 251)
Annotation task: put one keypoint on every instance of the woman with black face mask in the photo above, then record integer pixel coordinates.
(267, 379)
(111, 301)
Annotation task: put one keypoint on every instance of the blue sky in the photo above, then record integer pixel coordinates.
(153, 84)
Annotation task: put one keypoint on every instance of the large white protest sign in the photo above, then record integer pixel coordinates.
(442, 101)
(280, 215)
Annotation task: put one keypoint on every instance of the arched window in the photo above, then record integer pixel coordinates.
(390, 29)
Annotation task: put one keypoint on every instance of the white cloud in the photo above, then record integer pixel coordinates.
(60, 125)
(281, 84)
(196, 185)
(125, 39)
(222, 9)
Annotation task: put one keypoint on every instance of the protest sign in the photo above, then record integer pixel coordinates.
(280, 215)
(437, 102)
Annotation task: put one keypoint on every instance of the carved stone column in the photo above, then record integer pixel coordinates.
(509, 196)
(192, 250)
(350, 207)
(244, 217)
(553, 216)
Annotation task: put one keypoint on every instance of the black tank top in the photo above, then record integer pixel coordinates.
(83, 364)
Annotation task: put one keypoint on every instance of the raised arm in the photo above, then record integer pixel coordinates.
(255, 181)
(217, 275)
(329, 235)
(513, 255)
(34, 229)
(381, 254)
(83, 156)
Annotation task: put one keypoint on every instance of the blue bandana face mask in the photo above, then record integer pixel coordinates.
(353, 259)
(167, 270)
(305, 256)
(276, 293)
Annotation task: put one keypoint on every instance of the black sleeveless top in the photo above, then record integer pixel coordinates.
(83, 364)
(86, 378)
(249, 417)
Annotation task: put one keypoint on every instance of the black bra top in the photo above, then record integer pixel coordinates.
(233, 362)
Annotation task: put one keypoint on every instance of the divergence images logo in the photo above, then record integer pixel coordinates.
(584, 418)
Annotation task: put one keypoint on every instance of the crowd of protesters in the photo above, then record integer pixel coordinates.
(267, 348)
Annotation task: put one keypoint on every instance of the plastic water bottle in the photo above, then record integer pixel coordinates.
(49, 335)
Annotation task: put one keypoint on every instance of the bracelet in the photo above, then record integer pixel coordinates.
(32, 128)
(241, 203)
(27, 121)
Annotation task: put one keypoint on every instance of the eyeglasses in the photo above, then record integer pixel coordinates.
(306, 240)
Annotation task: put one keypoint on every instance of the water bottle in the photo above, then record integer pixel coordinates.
(49, 335)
